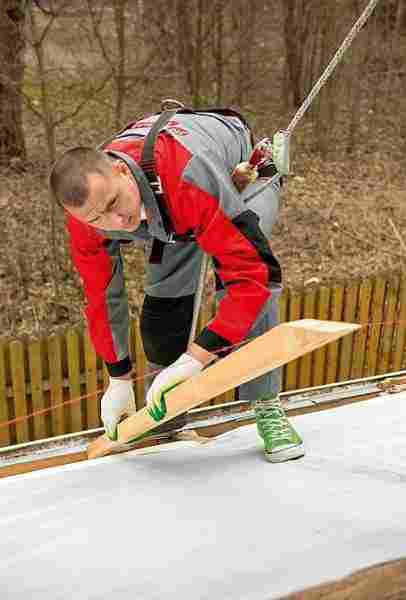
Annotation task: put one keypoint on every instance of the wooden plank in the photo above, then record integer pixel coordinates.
(375, 326)
(319, 370)
(269, 351)
(17, 368)
(5, 433)
(350, 310)
(398, 361)
(92, 398)
(73, 356)
(37, 394)
(336, 314)
(58, 424)
(382, 581)
(360, 338)
(292, 369)
(306, 362)
(388, 326)
(44, 463)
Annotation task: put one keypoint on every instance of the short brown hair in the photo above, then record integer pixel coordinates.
(68, 180)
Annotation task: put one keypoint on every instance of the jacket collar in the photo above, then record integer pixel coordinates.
(155, 222)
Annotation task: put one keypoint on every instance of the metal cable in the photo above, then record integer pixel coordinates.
(332, 65)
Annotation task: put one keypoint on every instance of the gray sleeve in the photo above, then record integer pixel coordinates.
(117, 302)
(210, 175)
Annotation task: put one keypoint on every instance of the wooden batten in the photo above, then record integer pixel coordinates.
(280, 345)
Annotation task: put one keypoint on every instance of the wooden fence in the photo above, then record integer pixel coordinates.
(60, 380)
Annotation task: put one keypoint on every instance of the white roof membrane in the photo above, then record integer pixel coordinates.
(212, 521)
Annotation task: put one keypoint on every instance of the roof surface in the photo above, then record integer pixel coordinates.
(212, 521)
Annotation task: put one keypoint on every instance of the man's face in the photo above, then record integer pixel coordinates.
(113, 202)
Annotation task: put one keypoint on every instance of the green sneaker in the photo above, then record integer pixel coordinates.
(281, 440)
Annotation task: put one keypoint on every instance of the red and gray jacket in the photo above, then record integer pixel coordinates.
(194, 156)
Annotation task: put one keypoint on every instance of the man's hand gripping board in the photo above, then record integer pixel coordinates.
(273, 349)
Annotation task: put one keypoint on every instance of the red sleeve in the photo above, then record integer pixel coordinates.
(242, 258)
(96, 269)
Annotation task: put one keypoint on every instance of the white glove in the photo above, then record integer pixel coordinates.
(280, 152)
(183, 368)
(117, 399)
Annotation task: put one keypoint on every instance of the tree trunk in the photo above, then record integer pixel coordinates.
(12, 46)
(119, 8)
(299, 16)
(219, 50)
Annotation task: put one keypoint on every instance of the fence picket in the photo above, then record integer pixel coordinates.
(106, 376)
(375, 326)
(336, 314)
(17, 368)
(58, 424)
(294, 312)
(305, 362)
(399, 345)
(92, 396)
(140, 368)
(205, 315)
(350, 307)
(360, 337)
(76, 408)
(5, 436)
(282, 319)
(385, 344)
(37, 394)
(319, 356)
(283, 306)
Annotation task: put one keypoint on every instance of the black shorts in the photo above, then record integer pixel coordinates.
(165, 327)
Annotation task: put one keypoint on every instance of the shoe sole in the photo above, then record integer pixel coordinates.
(288, 454)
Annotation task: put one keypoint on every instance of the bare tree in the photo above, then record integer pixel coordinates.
(52, 81)
(245, 18)
(301, 31)
(190, 24)
(218, 50)
(128, 55)
(12, 46)
(46, 109)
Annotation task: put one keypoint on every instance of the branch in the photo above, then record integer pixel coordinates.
(99, 38)
(83, 103)
(370, 244)
(402, 243)
(53, 14)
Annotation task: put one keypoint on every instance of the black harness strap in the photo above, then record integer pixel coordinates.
(148, 167)
(147, 164)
